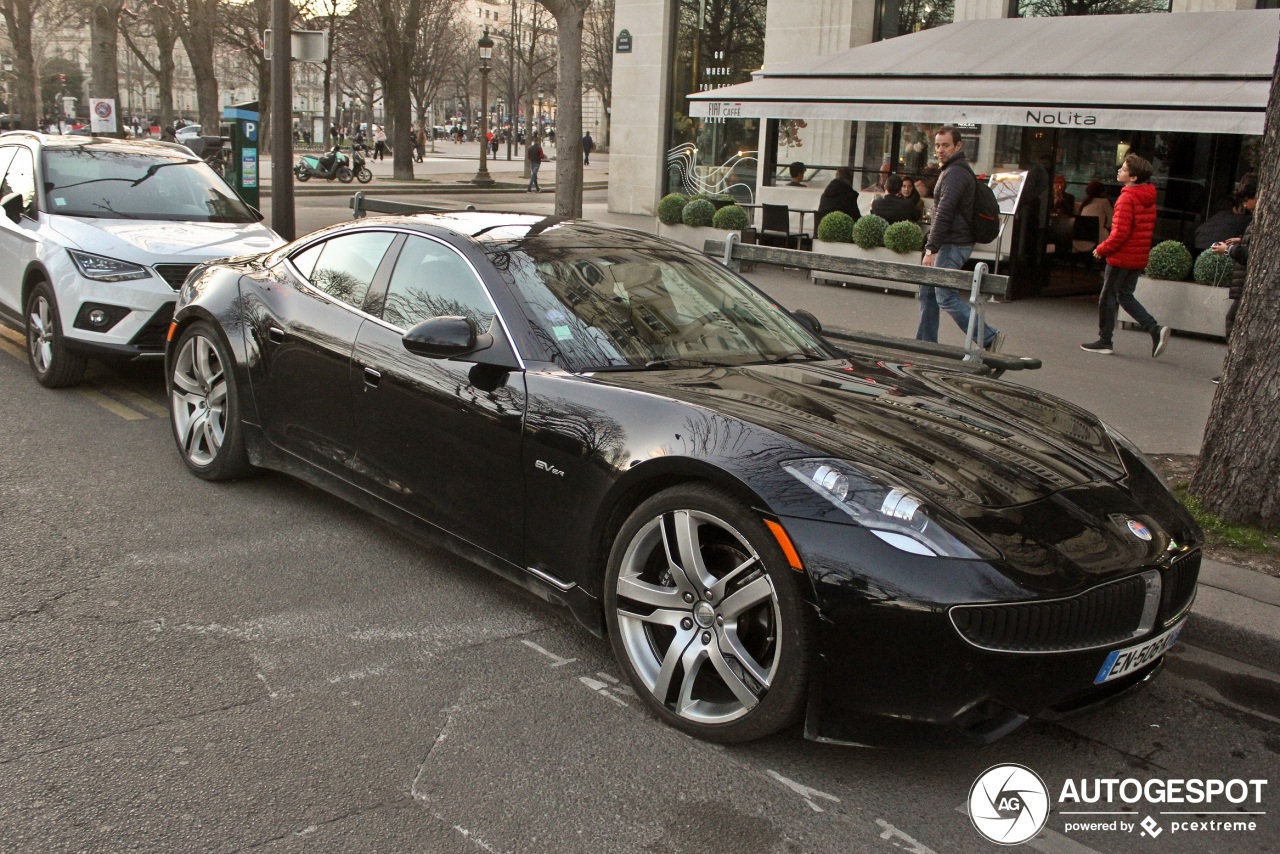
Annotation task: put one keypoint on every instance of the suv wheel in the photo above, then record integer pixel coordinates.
(52, 363)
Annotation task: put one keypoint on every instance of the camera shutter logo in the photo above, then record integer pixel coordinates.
(1008, 804)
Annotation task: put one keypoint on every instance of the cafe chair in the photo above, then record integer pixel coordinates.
(775, 228)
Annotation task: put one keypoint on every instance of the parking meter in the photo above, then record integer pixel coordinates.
(242, 172)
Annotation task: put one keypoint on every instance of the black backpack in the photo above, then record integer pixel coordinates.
(984, 220)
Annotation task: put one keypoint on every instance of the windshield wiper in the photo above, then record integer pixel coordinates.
(796, 356)
(691, 361)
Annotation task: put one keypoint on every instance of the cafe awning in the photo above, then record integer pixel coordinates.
(1202, 72)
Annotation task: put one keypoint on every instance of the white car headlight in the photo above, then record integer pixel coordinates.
(891, 513)
(103, 269)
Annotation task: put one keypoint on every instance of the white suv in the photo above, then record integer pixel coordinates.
(97, 236)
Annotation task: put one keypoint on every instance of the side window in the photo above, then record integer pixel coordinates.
(345, 266)
(305, 261)
(20, 177)
(431, 280)
(6, 156)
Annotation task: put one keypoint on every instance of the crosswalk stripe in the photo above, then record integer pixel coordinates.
(112, 406)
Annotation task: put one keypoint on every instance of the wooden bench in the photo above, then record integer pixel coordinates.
(980, 285)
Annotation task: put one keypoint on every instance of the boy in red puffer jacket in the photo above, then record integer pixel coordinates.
(1126, 250)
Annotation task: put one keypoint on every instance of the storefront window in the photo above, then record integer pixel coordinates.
(1072, 8)
(907, 149)
(821, 145)
(718, 43)
(900, 17)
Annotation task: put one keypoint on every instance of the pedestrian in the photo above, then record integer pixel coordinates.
(1238, 249)
(588, 144)
(1126, 249)
(421, 140)
(379, 143)
(168, 134)
(950, 241)
(334, 134)
(493, 144)
(535, 157)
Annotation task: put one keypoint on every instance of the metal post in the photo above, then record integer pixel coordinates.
(731, 240)
(977, 316)
(482, 178)
(282, 220)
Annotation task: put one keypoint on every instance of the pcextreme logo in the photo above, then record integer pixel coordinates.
(1010, 804)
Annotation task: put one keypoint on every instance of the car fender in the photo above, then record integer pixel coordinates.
(214, 296)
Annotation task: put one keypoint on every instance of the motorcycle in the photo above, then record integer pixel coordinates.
(331, 165)
(362, 172)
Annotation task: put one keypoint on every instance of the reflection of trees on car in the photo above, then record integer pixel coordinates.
(418, 304)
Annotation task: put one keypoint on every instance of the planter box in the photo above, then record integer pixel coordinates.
(853, 250)
(1185, 306)
(690, 235)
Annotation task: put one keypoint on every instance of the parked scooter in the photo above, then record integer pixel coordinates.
(362, 172)
(332, 165)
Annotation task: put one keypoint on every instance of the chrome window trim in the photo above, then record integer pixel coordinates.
(1150, 609)
(288, 259)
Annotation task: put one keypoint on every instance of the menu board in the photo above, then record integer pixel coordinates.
(1008, 189)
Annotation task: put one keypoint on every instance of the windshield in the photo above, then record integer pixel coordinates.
(634, 308)
(96, 181)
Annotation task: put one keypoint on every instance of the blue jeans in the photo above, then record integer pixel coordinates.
(533, 177)
(951, 256)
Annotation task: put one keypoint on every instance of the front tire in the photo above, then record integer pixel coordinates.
(204, 406)
(53, 365)
(364, 176)
(705, 616)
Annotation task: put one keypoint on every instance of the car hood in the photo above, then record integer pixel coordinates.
(963, 440)
(150, 242)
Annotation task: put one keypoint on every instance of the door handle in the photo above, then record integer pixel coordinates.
(275, 334)
(371, 377)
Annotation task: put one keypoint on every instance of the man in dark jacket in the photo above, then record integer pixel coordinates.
(1126, 251)
(839, 195)
(893, 206)
(950, 241)
(1238, 249)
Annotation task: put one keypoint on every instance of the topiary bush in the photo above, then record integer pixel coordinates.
(836, 227)
(868, 231)
(698, 212)
(903, 237)
(671, 208)
(1214, 270)
(1169, 260)
(731, 218)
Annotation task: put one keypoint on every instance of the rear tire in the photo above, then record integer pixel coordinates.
(204, 406)
(344, 174)
(53, 365)
(301, 174)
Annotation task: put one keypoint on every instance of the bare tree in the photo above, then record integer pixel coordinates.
(197, 23)
(19, 19)
(597, 49)
(243, 24)
(153, 22)
(1071, 8)
(104, 52)
(1238, 476)
(332, 15)
(569, 15)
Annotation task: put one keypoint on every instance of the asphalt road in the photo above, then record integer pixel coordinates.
(188, 666)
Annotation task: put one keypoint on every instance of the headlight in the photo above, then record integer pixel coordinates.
(891, 513)
(103, 269)
(1123, 441)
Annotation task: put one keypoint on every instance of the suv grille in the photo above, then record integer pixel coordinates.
(174, 274)
(151, 337)
(1099, 617)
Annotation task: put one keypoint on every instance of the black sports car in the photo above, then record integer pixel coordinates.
(763, 525)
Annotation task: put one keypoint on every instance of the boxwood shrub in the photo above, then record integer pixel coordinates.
(1214, 269)
(836, 227)
(1169, 260)
(698, 213)
(671, 208)
(868, 231)
(903, 237)
(731, 218)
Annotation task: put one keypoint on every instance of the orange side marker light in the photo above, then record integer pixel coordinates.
(780, 534)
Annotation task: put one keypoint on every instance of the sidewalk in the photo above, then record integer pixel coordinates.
(1237, 614)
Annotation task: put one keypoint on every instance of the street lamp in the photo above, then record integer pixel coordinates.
(486, 56)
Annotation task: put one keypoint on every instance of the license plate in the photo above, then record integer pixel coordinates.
(1123, 661)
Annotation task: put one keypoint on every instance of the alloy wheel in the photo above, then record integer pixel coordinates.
(40, 334)
(199, 397)
(698, 617)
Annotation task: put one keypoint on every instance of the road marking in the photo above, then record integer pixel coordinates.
(601, 688)
(13, 335)
(112, 406)
(141, 401)
(1047, 841)
(13, 350)
(804, 791)
(915, 847)
(559, 662)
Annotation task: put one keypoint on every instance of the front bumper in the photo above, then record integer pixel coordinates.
(891, 668)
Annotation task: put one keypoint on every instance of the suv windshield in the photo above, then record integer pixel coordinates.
(633, 308)
(99, 181)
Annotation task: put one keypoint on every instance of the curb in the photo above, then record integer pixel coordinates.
(1231, 640)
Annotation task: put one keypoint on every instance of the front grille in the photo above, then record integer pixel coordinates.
(152, 336)
(1099, 617)
(174, 274)
(1180, 586)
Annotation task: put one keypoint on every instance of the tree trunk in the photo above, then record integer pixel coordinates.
(198, 38)
(1238, 476)
(19, 18)
(104, 80)
(569, 15)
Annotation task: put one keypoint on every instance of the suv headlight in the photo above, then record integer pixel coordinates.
(892, 513)
(103, 269)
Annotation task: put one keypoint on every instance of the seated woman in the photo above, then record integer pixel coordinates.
(1063, 203)
(896, 205)
(839, 195)
(1095, 204)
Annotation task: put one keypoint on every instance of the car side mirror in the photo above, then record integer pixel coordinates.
(13, 205)
(808, 320)
(446, 338)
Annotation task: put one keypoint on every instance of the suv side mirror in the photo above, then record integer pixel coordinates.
(808, 320)
(13, 206)
(446, 338)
